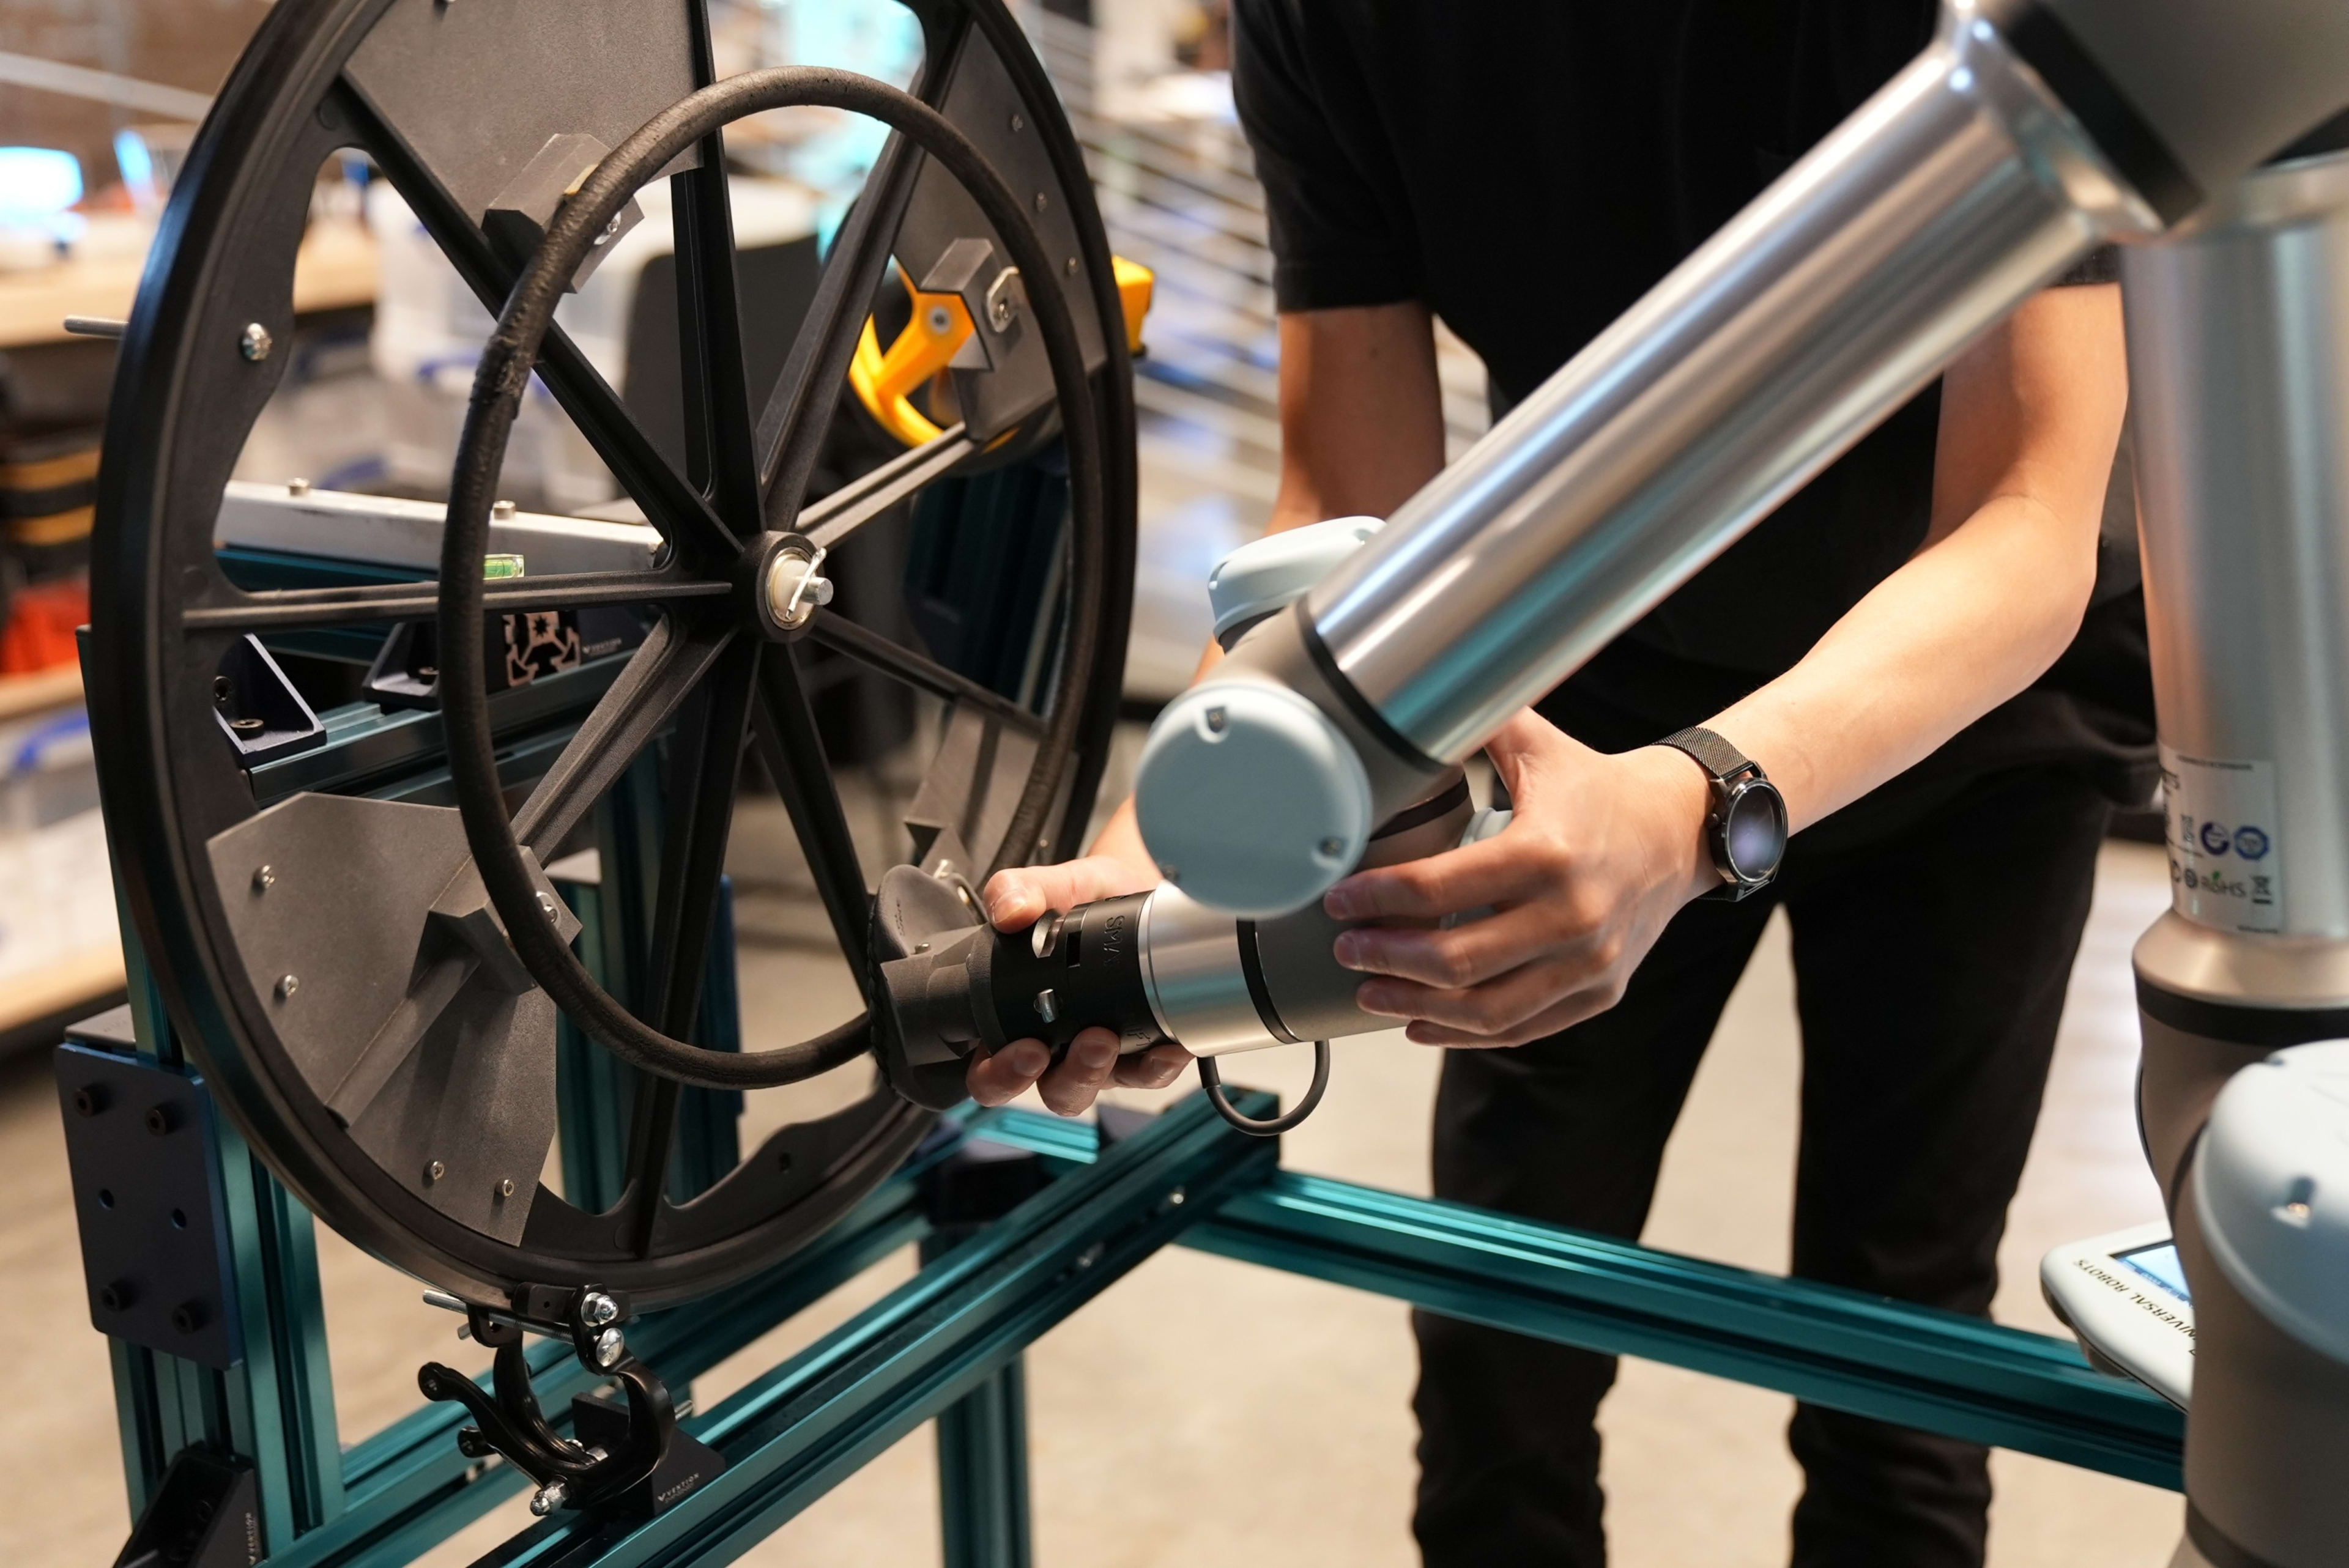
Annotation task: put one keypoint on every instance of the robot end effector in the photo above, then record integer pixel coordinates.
(2030, 131)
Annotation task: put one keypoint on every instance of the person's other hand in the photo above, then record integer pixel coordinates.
(1017, 899)
(1600, 855)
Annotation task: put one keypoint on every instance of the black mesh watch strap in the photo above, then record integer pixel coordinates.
(1712, 754)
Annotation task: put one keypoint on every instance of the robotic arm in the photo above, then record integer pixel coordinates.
(2029, 132)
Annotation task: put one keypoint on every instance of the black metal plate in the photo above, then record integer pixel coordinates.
(141, 1142)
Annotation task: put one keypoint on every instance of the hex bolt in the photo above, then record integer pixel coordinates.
(1003, 305)
(547, 1498)
(502, 511)
(596, 1309)
(610, 1347)
(263, 877)
(434, 1171)
(160, 1119)
(297, 487)
(287, 984)
(254, 342)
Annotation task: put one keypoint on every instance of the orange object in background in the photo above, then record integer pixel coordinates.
(42, 619)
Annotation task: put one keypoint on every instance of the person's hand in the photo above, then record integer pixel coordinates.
(1600, 855)
(1017, 899)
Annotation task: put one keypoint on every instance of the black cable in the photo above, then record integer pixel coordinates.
(1212, 1080)
(505, 370)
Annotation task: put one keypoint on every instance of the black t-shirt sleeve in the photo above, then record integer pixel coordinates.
(1333, 200)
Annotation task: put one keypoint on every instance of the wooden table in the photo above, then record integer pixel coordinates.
(336, 268)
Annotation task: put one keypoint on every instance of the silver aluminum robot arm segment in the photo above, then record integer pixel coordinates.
(1958, 190)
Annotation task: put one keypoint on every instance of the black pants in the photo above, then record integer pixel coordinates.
(1930, 969)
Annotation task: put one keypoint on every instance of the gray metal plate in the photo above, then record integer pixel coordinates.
(476, 87)
(982, 103)
(426, 1055)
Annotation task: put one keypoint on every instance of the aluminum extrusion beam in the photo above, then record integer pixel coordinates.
(796, 1432)
(1937, 1371)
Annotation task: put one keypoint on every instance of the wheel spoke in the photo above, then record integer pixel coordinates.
(853, 505)
(875, 650)
(701, 797)
(784, 730)
(286, 609)
(798, 415)
(660, 676)
(709, 341)
(669, 503)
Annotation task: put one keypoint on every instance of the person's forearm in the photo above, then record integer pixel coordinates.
(1961, 628)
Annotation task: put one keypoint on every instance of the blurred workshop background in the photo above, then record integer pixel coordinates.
(1201, 1411)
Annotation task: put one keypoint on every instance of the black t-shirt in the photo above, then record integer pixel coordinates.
(1528, 170)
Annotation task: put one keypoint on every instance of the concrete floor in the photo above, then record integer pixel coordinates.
(1205, 1411)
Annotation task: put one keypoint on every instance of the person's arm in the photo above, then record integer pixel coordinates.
(1361, 428)
(1604, 849)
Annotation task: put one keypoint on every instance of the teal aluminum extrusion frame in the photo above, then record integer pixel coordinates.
(945, 1345)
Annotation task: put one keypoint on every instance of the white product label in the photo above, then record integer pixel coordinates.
(2225, 848)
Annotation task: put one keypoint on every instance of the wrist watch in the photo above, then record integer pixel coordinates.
(1747, 829)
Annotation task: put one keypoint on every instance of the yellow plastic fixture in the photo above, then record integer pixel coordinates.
(885, 382)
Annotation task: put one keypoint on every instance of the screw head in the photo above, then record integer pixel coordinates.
(1217, 719)
(1040, 201)
(1018, 123)
(90, 1100)
(505, 1189)
(598, 1309)
(435, 1170)
(501, 509)
(939, 320)
(254, 342)
(160, 1119)
(287, 984)
(1071, 268)
(263, 877)
(1332, 848)
(118, 1295)
(547, 906)
(547, 1499)
(188, 1317)
(297, 487)
(610, 1347)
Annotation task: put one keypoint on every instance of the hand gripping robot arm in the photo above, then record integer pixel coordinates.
(2030, 131)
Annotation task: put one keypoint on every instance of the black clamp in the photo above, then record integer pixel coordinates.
(618, 1459)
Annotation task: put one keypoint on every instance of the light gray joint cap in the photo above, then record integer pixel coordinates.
(1250, 799)
(1266, 574)
(2273, 1182)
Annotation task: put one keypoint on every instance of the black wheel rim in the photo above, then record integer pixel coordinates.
(162, 615)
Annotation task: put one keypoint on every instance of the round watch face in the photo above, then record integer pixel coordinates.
(1754, 829)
